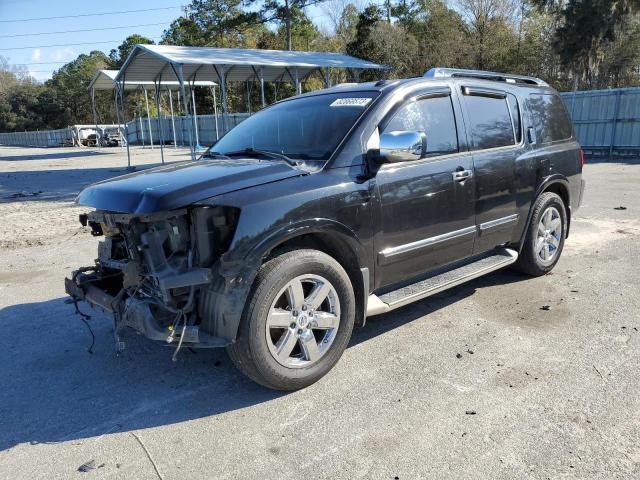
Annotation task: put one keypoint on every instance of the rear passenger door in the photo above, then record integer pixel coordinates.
(495, 136)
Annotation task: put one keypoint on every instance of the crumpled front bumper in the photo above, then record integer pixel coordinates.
(129, 311)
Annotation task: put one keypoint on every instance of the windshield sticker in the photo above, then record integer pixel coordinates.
(350, 102)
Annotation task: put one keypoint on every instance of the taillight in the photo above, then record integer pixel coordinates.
(581, 159)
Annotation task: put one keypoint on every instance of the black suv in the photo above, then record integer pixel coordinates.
(330, 207)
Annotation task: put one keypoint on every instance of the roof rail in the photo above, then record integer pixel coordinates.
(484, 75)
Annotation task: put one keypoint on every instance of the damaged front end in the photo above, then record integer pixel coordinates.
(151, 268)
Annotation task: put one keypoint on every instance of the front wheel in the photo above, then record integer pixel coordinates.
(545, 236)
(298, 321)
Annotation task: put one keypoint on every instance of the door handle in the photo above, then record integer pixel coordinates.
(461, 175)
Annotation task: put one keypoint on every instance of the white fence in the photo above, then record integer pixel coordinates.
(138, 132)
(138, 129)
(43, 138)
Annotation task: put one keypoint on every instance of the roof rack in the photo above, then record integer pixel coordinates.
(484, 75)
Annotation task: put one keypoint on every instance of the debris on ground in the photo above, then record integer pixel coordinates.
(470, 352)
(545, 307)
(470, 412)
(620, 208)
(23, 194)
(90, 465)
(458, 355)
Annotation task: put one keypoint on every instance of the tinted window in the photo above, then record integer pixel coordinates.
(435, 117)
(306, 128)
(549, 117)
(515, 115)
(490, 122)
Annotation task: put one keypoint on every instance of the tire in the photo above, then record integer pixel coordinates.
(531, 259)
(276, 318)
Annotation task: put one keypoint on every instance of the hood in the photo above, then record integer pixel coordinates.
(180, 184)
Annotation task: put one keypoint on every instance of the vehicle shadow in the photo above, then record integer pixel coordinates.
(384, 323)
(55, 391)
(54, 155)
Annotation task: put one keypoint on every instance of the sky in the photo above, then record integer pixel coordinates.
(34, 44)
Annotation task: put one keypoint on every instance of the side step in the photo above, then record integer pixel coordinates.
(436, 284)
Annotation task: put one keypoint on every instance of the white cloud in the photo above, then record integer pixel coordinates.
(63, 54)
(36, 55)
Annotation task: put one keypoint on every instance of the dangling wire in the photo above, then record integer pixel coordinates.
(184, 329)
(84, 317)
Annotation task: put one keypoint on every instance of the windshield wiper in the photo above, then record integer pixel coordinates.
(210, 154)
(266, 153)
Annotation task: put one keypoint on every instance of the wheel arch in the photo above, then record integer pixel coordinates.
(224, 301)
(338, 242)
(557, 184)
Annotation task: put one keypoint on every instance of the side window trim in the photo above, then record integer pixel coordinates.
(481, 92)
(513, 124)
(489, 93)
(431, 93)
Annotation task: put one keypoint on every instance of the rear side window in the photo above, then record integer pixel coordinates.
(550, 118)
(435, 117)
(490, 121)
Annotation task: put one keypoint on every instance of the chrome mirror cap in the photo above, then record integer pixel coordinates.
(402, 146)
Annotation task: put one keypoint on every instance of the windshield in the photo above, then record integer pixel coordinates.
(308, 128)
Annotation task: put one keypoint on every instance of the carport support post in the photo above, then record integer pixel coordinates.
(95, 114)
(215, 110)
(195, 114)
(161, 135)
(262, 97)
(124, 121)
(146, 101)
(297, 82)
(177, 70)
(115, 96)
(173, 122)
(223, 94)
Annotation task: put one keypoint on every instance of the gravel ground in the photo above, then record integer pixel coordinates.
(535, 393)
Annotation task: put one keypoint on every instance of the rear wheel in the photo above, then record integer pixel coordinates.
(545, 236)
(298, 321)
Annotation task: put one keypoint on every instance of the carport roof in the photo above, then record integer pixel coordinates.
(105, 80)
(147, 62)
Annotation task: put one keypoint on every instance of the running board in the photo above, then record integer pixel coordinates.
(432, 285)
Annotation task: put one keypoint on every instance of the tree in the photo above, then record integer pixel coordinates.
(382, 42)
(284, 12)
(489, 30)
(585, 28)
(70, 84)
(217, 23)
(120, 54)
(439, 30)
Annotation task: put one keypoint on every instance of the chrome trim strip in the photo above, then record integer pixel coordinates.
(408, 247)
(499, 221)
(377, 306)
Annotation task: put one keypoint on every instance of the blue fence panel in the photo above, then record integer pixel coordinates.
(607, 122)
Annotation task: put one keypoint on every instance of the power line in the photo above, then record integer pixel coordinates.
(67, 44)
(84, 30)
(89, 14)
(39, 63)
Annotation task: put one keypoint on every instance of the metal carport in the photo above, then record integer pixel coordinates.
(106, 80)
(187, 65)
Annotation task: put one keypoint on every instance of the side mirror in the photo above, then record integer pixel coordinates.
(401, 146)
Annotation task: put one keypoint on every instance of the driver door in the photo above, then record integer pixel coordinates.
(427, 206)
